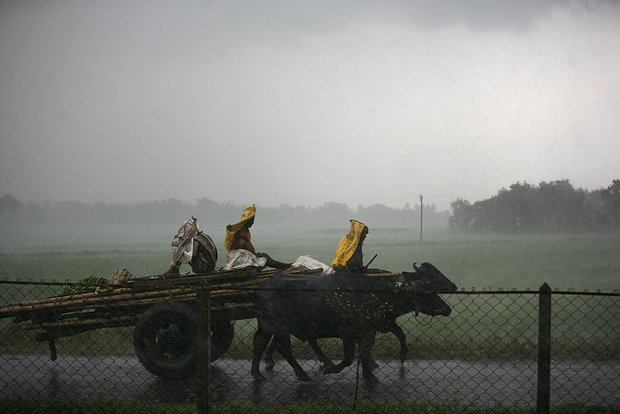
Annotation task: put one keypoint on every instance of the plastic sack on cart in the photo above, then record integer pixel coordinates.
(243, 259)
(308, 263)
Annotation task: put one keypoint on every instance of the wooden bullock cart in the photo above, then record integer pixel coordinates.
(162, 309)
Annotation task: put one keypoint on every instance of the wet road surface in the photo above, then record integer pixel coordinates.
(472, 383)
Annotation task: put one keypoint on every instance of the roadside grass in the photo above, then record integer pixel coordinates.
(64, 406)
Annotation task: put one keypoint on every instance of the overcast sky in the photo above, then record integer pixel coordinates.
(304, 102)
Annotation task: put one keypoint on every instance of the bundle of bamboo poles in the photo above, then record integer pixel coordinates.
(140, 292)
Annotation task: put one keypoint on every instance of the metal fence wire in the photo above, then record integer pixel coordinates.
(497, 348)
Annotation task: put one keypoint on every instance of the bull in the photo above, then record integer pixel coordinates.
(390, 326)
(349, 306)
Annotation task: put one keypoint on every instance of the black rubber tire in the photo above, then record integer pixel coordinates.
(165, 339)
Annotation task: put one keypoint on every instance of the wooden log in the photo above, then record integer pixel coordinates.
(79, 323)
(147, 285)
(62, 298)
(151, 284)
(215, 279)
(210, 278)
(65, 305)
(127, 304)
(127, 297)
(127, 320)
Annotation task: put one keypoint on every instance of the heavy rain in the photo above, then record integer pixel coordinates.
(480, 136)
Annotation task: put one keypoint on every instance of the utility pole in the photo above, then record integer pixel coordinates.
(421, 214)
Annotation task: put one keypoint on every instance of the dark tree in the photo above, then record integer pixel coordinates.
(553, 206)
(462, 214)
(611, 197)
(8, 202)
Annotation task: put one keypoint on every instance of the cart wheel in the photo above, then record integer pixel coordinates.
(165, 339)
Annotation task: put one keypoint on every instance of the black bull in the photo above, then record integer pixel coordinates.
(345, 305)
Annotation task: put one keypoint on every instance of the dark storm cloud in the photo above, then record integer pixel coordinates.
(278, 19)
(88, 86)
(279, 23)
(211, 28)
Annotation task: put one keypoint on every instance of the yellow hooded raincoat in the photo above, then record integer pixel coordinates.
(232, 229)
(348, 244)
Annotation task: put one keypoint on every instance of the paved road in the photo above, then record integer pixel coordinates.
(489, 383)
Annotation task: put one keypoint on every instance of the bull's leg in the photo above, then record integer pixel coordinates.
(260, 341)
(319, 352)
(398, 332)
(348, 344)
(283, 344)
(271, 349)
(372, 363)
(366, 354)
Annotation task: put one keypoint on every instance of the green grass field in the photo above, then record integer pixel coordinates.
(481, 326)
(579, 262)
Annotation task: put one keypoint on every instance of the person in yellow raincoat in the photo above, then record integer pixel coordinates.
(349, 257)
(238, 237)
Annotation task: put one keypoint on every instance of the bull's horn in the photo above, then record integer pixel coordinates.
(415, 267)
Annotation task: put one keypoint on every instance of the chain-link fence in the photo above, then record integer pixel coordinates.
(496, 348)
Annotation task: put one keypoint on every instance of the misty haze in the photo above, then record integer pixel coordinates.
(305, 103)
(431, 123)
(479, 137)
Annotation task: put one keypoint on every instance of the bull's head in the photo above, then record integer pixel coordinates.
(425, 283)
(428, 279)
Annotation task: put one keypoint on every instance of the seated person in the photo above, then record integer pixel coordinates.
(349, 257)
(238, 244)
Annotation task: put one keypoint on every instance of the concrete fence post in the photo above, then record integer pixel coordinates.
(203, 351)
(544, 349)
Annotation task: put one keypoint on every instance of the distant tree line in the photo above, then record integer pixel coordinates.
(554, 206)
(212, 214)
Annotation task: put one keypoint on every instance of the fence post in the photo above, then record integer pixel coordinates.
(544, 349)
(203, 351)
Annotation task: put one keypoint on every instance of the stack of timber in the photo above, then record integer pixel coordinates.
(122, 304)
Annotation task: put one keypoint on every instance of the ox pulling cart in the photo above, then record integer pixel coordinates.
(162, 309)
